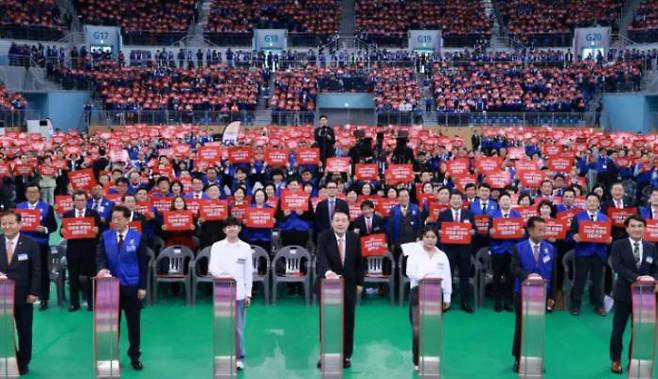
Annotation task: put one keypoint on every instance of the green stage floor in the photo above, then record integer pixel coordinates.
(282, 342)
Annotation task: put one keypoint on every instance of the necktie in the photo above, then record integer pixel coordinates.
(618, 203)
(96, 205)
(485, 208)
(332, 206)
(655, 214)
(368, 225)
(593, 217)
(120, 244)
(341, 250)
(505, 215)
(80, 214)
(535, 252)
(636, 253)
(10, 251)
(457, 216)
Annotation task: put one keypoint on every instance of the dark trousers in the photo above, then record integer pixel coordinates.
(592, 265)
(501, 269)
(44, 255)
(562, 248)
(82, 267)
(24, 314)
(623, 311)
(462, 262)
(414, 318)
(132, 307)
(516, 344)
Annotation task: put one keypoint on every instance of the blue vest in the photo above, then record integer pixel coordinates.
(43, 207)
(646, 213)
(476, 207)
(543, 267)
(586, 249)
(503, 246)
(396, 216)
(123, 264)
(105, 209)
(295, 222)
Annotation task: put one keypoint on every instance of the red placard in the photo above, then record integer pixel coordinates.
(366, 171)
(63, 203)
(23, 169)
(507, 228)
(434, 208)
(5, 170)
(516, 153)
(210, 153)
(308, 156)
(145, 208)
(526, 164)
(355, 210)
(399, 173)
(213, 210)
(338, 164)
(162, 204)
(383, 207)
(193, 205)
(30, 219)
(500, 179)
(651, 231)
(527, 211)
(456, 233)
(619, 215)
(47, 171)
(568, 214)
(560, 164)
(239, 154)
(78, 228)
(239, 210)
(462, 180)
(137, 225)
(297, 201)
(276, 157)
(556, 229)
(82, 179)
(374, 245)
(482, 224)
(594, 231)
(178, 220)
(259, 218)
(531, 178)
(488, 165)
(458, 167)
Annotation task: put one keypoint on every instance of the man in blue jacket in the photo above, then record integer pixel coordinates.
(122, 253)
(533, 257)
(404, 222)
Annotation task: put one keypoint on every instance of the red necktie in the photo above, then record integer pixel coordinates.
(368, 225)
(341, 250)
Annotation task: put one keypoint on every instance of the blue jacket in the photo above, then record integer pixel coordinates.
(544, 266)
(476, 207)
(395, 217)
(258, 234)
(128, 264)
(505, 246)
(105, 209)
(47, 220)
(586, 249)
(645, 213)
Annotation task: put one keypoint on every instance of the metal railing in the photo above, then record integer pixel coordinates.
(35, 33)
(164, 117)
(16, 118)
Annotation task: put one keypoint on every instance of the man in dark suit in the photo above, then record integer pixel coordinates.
(327, 207)
(20, 262)
(41, 235)
(122, 253)
(459, 255)
(617, 200)
(130, 202)
(632, 259)
(339, 255)
(369, 222)
(325, 139)
(81, 254)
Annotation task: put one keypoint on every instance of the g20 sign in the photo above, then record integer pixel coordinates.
(271, 38)
(593, 37)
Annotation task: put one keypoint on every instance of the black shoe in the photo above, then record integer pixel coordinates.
(319, 365)
(467, 308)
(509, 307)
(23, 370)
(90, 308)
(575, 311)
(498, 308)
(44, 305)
(347, 363)
(137, 365)
(74, 308)
(515, 368)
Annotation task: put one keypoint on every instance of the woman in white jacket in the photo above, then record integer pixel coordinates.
(425, 260)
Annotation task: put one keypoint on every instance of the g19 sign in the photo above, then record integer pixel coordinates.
(274, 39)
(425, 40)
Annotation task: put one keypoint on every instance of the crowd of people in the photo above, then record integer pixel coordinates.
(30, 14)
(392, 17)
(395, 89)
(10, 102)
(511, 87)
(307, 16)
(644, 27)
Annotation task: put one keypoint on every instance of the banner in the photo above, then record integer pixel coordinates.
(434, 208)
(374, 245)
(82, 179)
(425, 40)
(399, 173)
(482, 224)
(239, 210)
(338, 164)
(458, 167)
(556, 229)
(259, 218)
(568, 215)
(270, 39)
(308, 156)
(213, 210)
(488, 165)
(355, 210)
(651, 231)
(594, 231)
(366, 171)
(297, 201)
(136, 225)
(78, 228)
(619, 215)
(462, 180)
(178, 220)
(63, 203)
(456, 233)
(508, 228)
(145, 209)
(530, 178)
(560, 164)
(162, 204)
(276, 157)
(30, 219)
(383, 207)
(527, 211)
(239, 154)
(500, 179)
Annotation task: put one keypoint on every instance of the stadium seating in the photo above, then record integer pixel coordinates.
(644, 27)
(30, 19)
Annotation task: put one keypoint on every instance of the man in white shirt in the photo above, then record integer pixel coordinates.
(233, 257)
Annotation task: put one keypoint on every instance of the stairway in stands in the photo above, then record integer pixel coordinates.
(347, 18)
(195, 32)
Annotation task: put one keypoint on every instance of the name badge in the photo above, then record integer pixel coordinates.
(240, 261)
(546, 258)
(22, 257)
(649, 260)
(131, 248)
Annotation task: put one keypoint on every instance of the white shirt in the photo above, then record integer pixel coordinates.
(234, 260)
(590, 216)
(79, 213)
(420, 264)
(640, 248)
